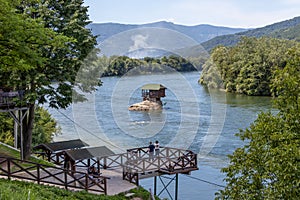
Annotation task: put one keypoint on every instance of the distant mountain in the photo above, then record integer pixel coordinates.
(148, 52)
(289, 29)
(199, 33)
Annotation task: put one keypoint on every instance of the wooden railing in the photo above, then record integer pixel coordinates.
(57, 157)
(136, 162)
(26, 170)
(169, 160)
(117, 160)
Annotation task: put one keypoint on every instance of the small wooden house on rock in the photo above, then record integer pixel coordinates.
(151, 94)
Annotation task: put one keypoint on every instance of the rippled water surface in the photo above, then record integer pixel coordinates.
(193, 117)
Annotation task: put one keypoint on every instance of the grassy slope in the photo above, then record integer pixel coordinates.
(24, 190)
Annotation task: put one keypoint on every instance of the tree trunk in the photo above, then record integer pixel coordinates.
(27, 131)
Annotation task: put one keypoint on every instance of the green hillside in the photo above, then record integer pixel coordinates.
(289, 29)
(291, 33)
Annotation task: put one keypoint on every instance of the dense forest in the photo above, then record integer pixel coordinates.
(267, 166)
(247, 68)
(120, 65)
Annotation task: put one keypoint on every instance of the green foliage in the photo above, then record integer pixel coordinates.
(248, 67)
(142, 193)
(290, 33)
(42, 42)
(6, 129)
(45, 127)
(120, 65)
(68, 18)
(268, 166)
(26, 190)
(22, 41)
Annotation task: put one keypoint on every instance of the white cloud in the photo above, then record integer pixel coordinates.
(139, 42)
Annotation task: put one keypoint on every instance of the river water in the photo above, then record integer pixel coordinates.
(193, 117)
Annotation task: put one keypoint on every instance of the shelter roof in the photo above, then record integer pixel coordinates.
(90, 152)
(63, 145)
(153, 87)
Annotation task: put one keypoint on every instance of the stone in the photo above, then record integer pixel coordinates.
(146, 106)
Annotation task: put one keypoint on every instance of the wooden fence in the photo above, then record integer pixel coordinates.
(169, 161)
(43, 174)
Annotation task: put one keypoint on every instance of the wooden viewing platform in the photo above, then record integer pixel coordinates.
(118, 172)
(169, 161)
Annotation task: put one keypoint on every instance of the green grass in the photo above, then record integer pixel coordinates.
(19, 190)
(10, 152)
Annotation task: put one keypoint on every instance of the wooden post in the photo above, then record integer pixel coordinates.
(98, 166)
(57, 158)
(123, 173)
(167, 152)
(73, 166)
(144, 165)
(155, 184)
(121, 158)
(176, 187)
(8, 167)
(48, 155)
(16, 130)
(137, 178)
(38, 173)
(66, 179)
(105, 163)
(86, 182)
(105, 186)
(21, 135)
(158, 162)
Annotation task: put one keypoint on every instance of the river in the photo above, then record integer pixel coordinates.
(193, 117)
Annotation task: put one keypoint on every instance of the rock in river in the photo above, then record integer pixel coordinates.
(146, 106)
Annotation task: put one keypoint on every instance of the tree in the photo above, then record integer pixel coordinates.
(268, 166)
(6, 129)
(23, 39)
(54, 44)
(248, 67)
(45, 127)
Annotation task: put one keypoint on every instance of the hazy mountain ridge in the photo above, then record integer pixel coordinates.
(288, 29)
(199, 33)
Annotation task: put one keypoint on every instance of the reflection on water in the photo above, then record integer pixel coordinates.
(193, 117)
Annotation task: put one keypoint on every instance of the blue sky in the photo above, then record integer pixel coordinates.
(230, 13)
